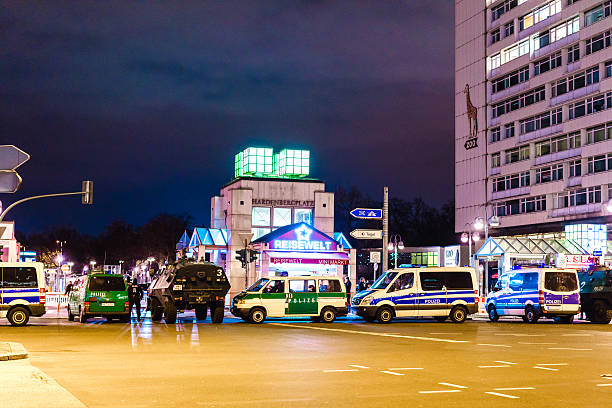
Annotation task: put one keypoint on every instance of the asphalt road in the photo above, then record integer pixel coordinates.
(296, 363)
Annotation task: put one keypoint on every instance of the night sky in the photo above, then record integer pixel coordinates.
(151, 100)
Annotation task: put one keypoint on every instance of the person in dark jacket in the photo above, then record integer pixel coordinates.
(347, 284)
(135, 294)
(362, 285)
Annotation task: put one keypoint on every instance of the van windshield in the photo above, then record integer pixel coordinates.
(384, 280)
(560, 281)
(256, 287)
(107, 283)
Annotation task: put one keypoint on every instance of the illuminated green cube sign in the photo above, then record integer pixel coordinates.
(260, 162)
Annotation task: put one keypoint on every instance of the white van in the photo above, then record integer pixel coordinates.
(322, 298)
(22, 291)
(432, 291)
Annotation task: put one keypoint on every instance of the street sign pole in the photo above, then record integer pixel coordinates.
(385, 243)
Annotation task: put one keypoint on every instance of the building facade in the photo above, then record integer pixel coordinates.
(533, 113)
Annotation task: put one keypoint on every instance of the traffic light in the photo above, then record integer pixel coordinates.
(87, 192)
(241, 255)
(253, 255)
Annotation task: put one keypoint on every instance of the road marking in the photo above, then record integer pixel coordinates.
(445, 333)
(570, 348)
(519, 335)
(552, 364)
(577, 335)
(370, 333)
(605, 385)
(492, 345)
(406, 368)
(546, 368)
(357, 366)
(494, 366)
(514, 389)
(505, 362)
(340, 371)
(391, 372)
(529, 342)
(501, 395)
(438, 391)
(452, 385)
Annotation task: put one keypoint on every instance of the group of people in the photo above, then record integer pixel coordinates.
(361, 285)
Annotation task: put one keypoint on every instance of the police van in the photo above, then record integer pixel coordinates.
(322, 298)
(535, 292)
(22, 291)
(438, 292)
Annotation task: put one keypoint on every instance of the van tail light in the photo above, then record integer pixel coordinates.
(86, 304)
(93, 299)
(541, 297)
(126, 307)
(41, 296)
(476, 298)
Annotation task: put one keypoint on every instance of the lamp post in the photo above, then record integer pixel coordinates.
(393, 246)
(479, 224)
(121, 267)
(92, 264)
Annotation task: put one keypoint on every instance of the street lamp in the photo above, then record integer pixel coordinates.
(121, 266)
(70, 265)
(92, 263)
(395, 245)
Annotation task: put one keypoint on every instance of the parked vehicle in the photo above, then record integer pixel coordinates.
(596, 295)
(535, 292)
(188, 285)
(438, 292)
(22, 291)
(99, 294)
(322, 298)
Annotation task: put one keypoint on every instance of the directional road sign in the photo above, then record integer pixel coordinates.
(9, 181)
(366, 234)
(367, 213)
(11, 157)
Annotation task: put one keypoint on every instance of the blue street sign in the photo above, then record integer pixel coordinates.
(597, 253)
(367, 213)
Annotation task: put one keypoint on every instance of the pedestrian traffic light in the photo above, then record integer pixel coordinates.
(253, 255)
(241, 255)
(87, 192)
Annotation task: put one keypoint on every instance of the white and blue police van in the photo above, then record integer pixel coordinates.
(22, 291)
(533, 293)
(438, 292)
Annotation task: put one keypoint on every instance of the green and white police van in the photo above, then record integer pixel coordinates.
(99, 294)
(322, 298)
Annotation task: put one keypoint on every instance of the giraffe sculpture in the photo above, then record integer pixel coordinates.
(472, 112)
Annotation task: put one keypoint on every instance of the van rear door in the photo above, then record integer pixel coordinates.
(561, 290)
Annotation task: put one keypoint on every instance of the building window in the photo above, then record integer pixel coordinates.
(598, 164)
(282, 216)
(570, 2)
(303, 215)
(511, 79)
(261, 216)
(576, 81)
(510, 54)
(575, 168)
(599, 133)
(556, 33)
(578, 197)
(498, 11)
(518, 102)
(539, 14)
(508, 130)
(597, 13)
(510, 182)
(495, 36)
(549, 173)
(590, 105)
(558, 144)
(598, 42)
(573, 53)
(608, 69)
(495, 135)
(533, 204)
(424, 258)
(259, 232)
(495, 160)
(546, 64)
(541, 121)
(517, 154)
(509, 29)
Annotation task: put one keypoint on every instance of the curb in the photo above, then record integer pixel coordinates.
(12, 351)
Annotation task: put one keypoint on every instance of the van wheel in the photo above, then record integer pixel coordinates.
(18, 316)
(217, 313)
(458, 314)
(493, 316)
(82, 316)
(384, 315)
(70, 315)
(328, 315)
(156, 310)
(257, 315)
(170, 312)
(531, 315)
(200, 312)
(600, 312)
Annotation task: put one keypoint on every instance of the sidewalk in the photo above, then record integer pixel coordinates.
(12, 351)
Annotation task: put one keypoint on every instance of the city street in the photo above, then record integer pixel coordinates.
(296, 363)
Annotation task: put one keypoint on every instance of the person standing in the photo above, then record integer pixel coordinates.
(135, 293)
(347, 285)
(362, 285)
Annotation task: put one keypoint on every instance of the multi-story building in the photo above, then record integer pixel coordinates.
(536, 77)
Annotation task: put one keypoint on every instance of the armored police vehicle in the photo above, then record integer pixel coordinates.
(188, 285)
(596, 294)
(22, 291)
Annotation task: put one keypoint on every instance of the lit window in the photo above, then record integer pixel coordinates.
(261, 216)
(282, 217)
(303, 215)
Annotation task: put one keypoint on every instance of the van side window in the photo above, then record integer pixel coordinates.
(516, 281)
(302, 285)
(19, 277)
(329, 286)
(530, 281)
(275, 286)
(404, 281)
(458, 280)
(431, 281)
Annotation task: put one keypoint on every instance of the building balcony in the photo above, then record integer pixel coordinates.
(541, 133)
(497, 96)
(577, 210)
(557, 156)
(556, 45)
(510, 193)
(557, 100)
(494, 171)
(574, 181)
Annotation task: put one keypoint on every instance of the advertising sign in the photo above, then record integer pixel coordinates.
(303, 238)
(574, 261)
(451, 255)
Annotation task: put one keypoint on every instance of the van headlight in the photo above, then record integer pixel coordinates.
(367, 300)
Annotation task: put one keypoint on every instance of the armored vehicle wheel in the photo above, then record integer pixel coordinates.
(257, 315)
(600, 312)
(328, 315)
(217, 313)
(156, 310)
(18, 316)
(70, 315)
(458, 314)
(531, 315)
(493, 316)
(170, 312)
(200, 312)
(384, 314)
(82, 316)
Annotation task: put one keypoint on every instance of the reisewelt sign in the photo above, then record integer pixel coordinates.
(303, 238)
